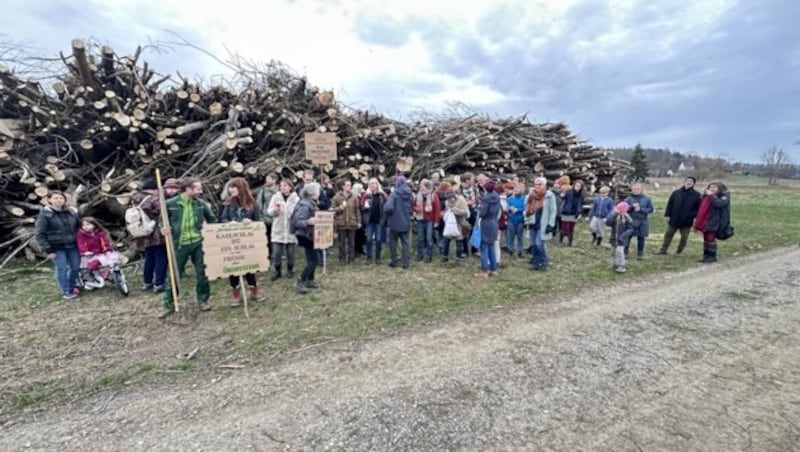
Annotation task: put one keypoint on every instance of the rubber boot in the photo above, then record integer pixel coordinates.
(569, 240)
(301, 287)
(255, 294)
(236, 297)
(705, 254)
(712, 253)
(277, 275)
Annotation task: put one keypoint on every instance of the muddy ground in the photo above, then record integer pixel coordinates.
(707, 359)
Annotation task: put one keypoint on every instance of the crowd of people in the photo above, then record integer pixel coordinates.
(469, 213)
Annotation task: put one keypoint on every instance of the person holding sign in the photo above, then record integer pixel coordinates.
(347, 218)
(241, 206)
(186, 214)
(281, 207)
(302, 225)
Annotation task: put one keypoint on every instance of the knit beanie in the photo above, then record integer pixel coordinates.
(623, 207)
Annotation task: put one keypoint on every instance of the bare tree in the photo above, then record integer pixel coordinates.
(775, 161)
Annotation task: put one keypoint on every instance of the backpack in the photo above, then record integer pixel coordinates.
(502, 222)
(726, 232)
(137, 222)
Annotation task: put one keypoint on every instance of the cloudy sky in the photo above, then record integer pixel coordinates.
(708, 76)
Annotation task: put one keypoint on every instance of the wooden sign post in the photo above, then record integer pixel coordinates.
(234, 249)
(323, 234)
(321, 150)
(320, 147)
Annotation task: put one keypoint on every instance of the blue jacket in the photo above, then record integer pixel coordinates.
(601, 207)
(298, 223)
(516, 200)
(641, 224)
(398, 209)
(489, 212)
(573, 203)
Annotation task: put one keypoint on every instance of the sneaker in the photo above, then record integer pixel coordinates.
(158, 288)
(146, 287)
(301, 287)
(205, 306)
(620, 270)
(312, 284)
(76, 291)
(69, 296)
(166, 312)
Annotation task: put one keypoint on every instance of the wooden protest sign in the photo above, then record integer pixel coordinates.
(234, 249)
(323, 230)
(323, 235)
(320, 147)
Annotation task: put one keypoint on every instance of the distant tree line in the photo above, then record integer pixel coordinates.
(775, 164)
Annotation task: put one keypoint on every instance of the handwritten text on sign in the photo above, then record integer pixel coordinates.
(323, 230)
(235, 248)
(320, 147)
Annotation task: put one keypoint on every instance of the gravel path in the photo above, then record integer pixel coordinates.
(688, 361)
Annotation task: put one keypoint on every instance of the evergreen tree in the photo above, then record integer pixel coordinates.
(639, 164)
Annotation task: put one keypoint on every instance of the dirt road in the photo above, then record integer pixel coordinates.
(690, 361)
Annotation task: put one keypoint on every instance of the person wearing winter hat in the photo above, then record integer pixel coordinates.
(398, 210)
(152, 245)
(622, 230)
(171, 187)
(640, 209)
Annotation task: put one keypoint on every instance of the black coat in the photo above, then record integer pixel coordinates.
(682, 207)
(56, 229)
(719, 215)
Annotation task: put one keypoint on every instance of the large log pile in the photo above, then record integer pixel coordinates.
(108, 121)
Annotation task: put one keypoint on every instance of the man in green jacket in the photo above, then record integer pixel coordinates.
(187, 213)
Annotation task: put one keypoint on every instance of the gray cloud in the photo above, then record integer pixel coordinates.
(720, 89)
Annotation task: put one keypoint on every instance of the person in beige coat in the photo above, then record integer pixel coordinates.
(347, 219)
(281, 207)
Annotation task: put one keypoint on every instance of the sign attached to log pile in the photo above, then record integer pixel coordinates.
(320, 147)
(235, 248)
(323, 230)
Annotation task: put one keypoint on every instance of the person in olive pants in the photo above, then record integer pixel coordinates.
(187, 213)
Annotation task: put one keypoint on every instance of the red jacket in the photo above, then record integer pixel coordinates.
(96, 242)
(419, 207)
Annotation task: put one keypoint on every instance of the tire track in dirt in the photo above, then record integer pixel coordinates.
(686, 361)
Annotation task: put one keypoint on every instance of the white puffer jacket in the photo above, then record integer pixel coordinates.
(281, 220)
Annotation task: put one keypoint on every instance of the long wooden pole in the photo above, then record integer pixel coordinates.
(173, 278)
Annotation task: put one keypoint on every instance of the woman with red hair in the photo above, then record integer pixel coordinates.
(240, 205)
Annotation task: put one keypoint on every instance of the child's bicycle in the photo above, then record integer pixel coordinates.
(91, 279)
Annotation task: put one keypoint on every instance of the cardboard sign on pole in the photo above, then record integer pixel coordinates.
(234, 248)
(323, 230)
(320, 147)
(323, 235)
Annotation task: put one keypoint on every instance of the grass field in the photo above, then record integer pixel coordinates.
(55, 351)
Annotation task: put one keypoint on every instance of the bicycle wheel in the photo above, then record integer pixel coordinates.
(121, 282)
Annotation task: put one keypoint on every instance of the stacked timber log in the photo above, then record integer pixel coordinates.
(108, 121)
